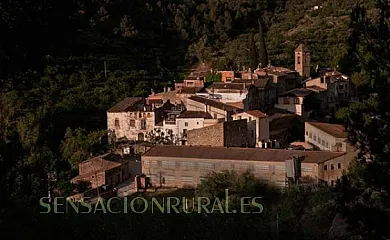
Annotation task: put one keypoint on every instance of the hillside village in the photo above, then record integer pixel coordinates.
(271, 121)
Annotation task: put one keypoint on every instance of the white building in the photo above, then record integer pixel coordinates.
(293, 101)
(326, 136)
(258, 126)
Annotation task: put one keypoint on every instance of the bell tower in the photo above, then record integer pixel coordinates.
(302, 61)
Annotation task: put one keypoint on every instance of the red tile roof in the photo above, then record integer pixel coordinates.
(297, 92)
(215, 104)
(125, 105)
(256, 113)
(244, 154)
(336, 130)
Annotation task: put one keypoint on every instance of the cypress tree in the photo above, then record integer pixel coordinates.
(263, 56)
(253, 57)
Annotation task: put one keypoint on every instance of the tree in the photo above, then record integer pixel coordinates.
(253, 57)
(157, 136)
(79, 145)
(263, 55)
(367, 123)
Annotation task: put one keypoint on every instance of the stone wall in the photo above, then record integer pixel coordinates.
(236, 133)
(207, 136)
(226, 134)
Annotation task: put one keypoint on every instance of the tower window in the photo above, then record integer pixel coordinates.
(299, 60)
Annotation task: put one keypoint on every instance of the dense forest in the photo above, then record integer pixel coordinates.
(64, 63)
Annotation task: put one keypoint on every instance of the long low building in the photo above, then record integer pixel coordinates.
(181, 166)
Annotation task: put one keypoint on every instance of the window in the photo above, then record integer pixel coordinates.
(250, 119)
(184, 132)
(310, 135)
(322, 79)
(204, 165)
(186, 124)
(323, 143)
(280, 168)
(331, 167)
(286, 100)
(225, 166)
(315, 138)
(299, 60)
(339, 165)
(168, 164)
(325, 167)
(117, 125)
(262, 167)
(241, 166)
(155, 162)
(319, 140)
(296, 100)
(327, 145)
(146, 162)
(307, 133)
(215, 115)
(307, 169)
(332, 183)
(143, 124)
(169, 178)
(239, 117)
(197, 123)
(132, 123)
(187, 179)
(139, 115)
(187, 164)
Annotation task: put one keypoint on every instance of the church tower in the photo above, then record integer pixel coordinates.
(302, 61)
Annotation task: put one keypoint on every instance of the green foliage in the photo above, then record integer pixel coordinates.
(158, 136)
(79, 145)
(213, 77)
(366, 188)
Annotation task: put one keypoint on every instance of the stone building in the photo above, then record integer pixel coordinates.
(187, 166)
(224, 134)
(132, 118)
(284, 78)
(227, 76)
(185, 121)
(258, 126)
(190, 82)
(302, 61)
(261, 95)
(336, 86)
(107, 169)
(215, 108)
(300, 101)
